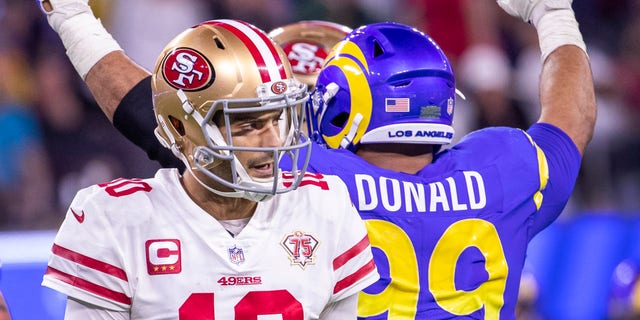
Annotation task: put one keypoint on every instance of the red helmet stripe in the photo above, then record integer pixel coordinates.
(261, 47)
(272, 49)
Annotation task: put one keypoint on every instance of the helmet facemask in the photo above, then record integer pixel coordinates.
(220, 147)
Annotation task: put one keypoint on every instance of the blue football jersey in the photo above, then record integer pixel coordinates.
(452, 239)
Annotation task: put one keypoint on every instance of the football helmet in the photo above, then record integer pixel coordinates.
(306, 44)
(225, 68)
(384, 83)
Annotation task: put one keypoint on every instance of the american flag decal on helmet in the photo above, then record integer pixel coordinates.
(262, 49)
(396, 104)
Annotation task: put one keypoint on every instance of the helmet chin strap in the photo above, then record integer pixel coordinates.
(330, 91)
(171, 144)
(347, 140)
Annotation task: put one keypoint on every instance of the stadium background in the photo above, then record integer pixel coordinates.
(54, 140)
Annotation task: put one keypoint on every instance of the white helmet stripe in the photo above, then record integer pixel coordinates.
(261, 47)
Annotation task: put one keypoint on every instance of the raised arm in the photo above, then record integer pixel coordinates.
(567, 95)
(96, 56)
(111, 78)
(120, 86)
(566, 85)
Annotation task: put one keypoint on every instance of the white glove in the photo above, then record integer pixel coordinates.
(84, 36)
(532, 10)
(59, 11)
(554, 20)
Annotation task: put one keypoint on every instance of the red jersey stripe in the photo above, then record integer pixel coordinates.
(89, 262)
(354, 277)
(354, 251)
(88, 286)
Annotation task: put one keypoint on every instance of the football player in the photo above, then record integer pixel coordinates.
(233, 237)
(449, 229)
(460, 220)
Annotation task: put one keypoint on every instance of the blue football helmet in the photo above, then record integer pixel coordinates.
(384, 83)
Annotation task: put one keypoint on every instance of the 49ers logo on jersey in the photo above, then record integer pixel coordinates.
(163, 256)
(187, 69)
(301, 248)
(305, 57)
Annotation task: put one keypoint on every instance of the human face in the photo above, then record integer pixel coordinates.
(252, 130)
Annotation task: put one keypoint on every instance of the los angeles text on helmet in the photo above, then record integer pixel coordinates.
(464, 191)
(420, 133)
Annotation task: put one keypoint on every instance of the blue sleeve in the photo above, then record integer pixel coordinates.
(316, 162)
(134, 118)
(563, 159)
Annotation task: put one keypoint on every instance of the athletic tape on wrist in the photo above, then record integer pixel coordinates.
(86, 41)
(557, 28)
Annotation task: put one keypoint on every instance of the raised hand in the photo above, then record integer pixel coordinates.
(532, 10)
(59, 11)
(84, 37)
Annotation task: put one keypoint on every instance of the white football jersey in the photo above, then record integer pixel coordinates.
(144, 247)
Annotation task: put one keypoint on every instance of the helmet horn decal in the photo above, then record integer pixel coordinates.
(351, 58)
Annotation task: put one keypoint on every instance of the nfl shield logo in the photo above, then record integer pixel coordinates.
(449, 106)
(236, 255)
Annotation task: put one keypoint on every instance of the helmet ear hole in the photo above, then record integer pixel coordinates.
(219, 43)
(177, 125)
(340, 119)
(402, 84)
(377, 49)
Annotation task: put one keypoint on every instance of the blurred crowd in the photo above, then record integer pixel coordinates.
(54, 139)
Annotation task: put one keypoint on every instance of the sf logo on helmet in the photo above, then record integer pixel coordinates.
(187, 69)
(279, 87)
(305, 58)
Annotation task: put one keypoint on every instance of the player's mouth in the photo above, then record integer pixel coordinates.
(262, 170)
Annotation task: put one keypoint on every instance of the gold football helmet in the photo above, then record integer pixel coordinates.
(306, 44)
(215, 72)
